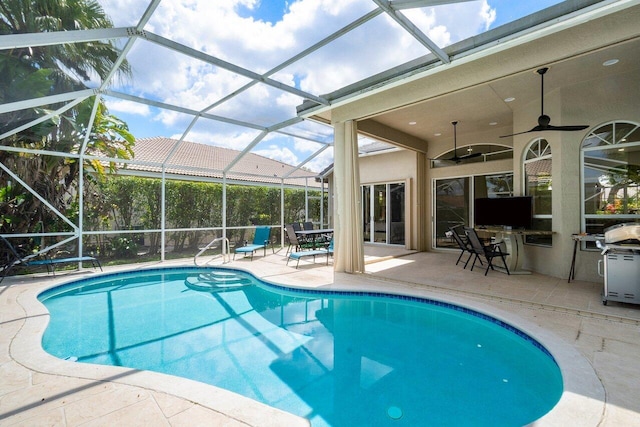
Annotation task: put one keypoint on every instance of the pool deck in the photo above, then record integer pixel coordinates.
(597, 346)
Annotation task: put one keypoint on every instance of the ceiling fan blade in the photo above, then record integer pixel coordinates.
(458, 159)
(520, 133)
(470, 156)
(543, 119)
(445, 161)
(567, 128)
(539, 128)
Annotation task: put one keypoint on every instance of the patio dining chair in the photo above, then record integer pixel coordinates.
(296, 242)
(261, 239)
(457, 233)
(307, 225)
(488, 252)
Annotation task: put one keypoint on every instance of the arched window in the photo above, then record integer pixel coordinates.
(537, 183)
(610, 160)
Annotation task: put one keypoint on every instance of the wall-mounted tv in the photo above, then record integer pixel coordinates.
(514, 212)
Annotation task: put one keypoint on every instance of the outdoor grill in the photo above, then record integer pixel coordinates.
(621, 259)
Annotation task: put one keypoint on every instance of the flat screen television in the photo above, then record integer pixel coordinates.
(514, 212)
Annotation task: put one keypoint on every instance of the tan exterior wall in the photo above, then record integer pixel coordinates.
(565, 146)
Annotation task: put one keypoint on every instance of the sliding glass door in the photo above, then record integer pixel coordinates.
(383, 213)
(379, 211)
(452, 207)
(396, 214)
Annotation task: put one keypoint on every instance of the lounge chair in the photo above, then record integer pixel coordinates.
(314, 252)
(462, 241)
(14, 258)
(261, 240)
(488, 252)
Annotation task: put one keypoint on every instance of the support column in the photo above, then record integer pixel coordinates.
(423, 216)
(349, 250)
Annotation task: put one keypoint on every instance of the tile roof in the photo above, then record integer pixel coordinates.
(201, 160)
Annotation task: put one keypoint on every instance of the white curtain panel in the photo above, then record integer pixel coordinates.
(349, 251)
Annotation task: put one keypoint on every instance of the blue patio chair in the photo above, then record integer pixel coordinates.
(13, 259)
(260, 241)
(314, 252)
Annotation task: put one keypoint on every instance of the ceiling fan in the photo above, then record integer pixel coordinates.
(456, 158)
(544, 120)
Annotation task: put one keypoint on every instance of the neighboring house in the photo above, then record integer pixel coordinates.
(201, 162)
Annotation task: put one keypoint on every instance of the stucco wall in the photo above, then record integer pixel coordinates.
(563, 107)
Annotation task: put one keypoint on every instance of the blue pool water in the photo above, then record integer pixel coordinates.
(337, 359)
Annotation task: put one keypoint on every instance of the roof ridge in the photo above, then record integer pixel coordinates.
(216, 147)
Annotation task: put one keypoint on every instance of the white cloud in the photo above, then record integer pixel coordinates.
(124, 13)
(129, 107)
(447, 24)
(488, 14)
(216, 28)
(323, 160)
(306, 147)
(233, 140)
(276, 152)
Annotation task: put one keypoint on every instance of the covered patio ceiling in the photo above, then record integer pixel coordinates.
(276, 79)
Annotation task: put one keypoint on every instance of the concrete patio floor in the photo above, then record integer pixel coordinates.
(597, 346)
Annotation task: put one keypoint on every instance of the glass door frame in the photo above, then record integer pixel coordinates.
(434, 206)
(374, 231)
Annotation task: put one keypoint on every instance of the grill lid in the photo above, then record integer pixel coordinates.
(623, 234)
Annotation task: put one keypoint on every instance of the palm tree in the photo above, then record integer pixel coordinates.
(39, 71)
(79, 59)
(31, 72)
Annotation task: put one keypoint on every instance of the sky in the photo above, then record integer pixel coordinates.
(258, 35)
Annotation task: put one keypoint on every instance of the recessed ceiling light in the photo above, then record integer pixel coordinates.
(610, 62)
(510, 99)
(412, 123)
(620, 149)
(437, 134)
(493, 123)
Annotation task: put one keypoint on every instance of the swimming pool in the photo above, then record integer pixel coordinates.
(335, 358)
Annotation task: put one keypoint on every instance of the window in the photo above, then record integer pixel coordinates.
(537, 183)
(453, 201)
(610, 159)
(489, 153)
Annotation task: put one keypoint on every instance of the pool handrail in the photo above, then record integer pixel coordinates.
(226, 251)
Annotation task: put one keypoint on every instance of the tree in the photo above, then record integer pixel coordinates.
(39, 71)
